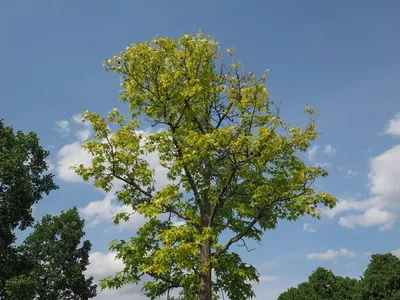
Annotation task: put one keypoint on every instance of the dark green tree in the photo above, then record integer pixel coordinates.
(302, 292)
(57, 262)
(381, 279)
(23, 182)
(346, 288)
(323, 285)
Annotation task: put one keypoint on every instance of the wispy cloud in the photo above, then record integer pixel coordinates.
(366, 254)
(396, 252)
(351, 173)
(83, 134)
(268, 278)
(103, 211)
(106, 264)
(50, 165)
(308, 228)
(328, 149)
(69, 155)
(382, 207)
(62, 126)
(312, 152)
(372, 217)
(331, 254)
(393, 127)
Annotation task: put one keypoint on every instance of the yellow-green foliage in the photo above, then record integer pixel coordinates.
(232, 164)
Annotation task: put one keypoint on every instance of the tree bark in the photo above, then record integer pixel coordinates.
(205, 292)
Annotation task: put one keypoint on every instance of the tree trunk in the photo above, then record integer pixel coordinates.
(205, 292)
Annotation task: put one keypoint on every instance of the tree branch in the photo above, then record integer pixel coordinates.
(241, 234)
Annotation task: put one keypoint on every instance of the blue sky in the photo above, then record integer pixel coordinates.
(340, 57)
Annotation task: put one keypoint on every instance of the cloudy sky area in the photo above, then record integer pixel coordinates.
(340, 57)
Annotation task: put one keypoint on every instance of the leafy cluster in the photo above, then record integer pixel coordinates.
(232, 163)
(381, 281)
(22, 182)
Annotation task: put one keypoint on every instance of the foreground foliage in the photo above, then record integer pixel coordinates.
(381, 281)
(232, 162)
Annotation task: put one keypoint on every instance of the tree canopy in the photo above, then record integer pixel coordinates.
(49, 264)
(232, 163)
(23, 182)
(380, 281)
(55, 263)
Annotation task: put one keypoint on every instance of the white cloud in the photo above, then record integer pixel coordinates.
(331, 254)
(103, 211)
(351, 173)
(69, 155)
(83, 134)
(381, 209)
(345, 205)
(396, 252)
(103, 265)
(312, 152)
(160, 172)
(50, 165)
(328, 149)
(370, 213)
(126, 292)
(73, 154)
(373, 216)
(393, 127)
(77, 119)
(269, 278)
(323, 165)
(366, 253)
(63, 127)
(308, 228)
(384, 175)
(178, 223)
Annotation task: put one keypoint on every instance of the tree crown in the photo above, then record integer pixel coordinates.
(232, 165)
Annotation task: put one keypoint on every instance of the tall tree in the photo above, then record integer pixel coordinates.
(232, 162)
(56, 262)
(23, 182)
